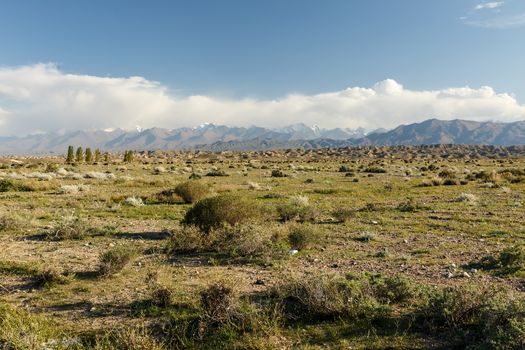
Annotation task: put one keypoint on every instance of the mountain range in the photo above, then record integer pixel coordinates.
(220, 137)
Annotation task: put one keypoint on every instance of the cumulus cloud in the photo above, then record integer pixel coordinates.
(43, 98)
(489, 5)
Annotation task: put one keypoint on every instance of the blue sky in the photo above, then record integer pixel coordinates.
(240, 50)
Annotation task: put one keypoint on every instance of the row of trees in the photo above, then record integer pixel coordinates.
(88, 156)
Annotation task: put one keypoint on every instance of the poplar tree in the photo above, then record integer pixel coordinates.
(89, 155)
(80, 155)
(97, 155)
(70, 154)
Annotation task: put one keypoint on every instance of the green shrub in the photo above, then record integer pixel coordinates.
(503, 323)
(303, 236)
(216, 211)
(50, 277)
(393, 289)
(447, 174)
(22, 330)
(451, 182)
(343, 214)
(223, 314)
(160, 294)
(215, 173)
(453, 308)
(374, 170)
(298, 208)
(509, 261)
(7, 185)
(114, 260)
(319, 297)
(247, 241)
(188, 239)
(8, 222)
(129, 338)
(192, 191)
(278, 173)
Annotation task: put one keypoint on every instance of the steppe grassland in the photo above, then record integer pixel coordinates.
(326, 251)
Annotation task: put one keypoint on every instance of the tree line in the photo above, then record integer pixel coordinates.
(89, 156)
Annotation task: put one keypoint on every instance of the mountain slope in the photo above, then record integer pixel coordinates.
(435, 131)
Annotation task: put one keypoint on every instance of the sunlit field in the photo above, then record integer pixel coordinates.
(408, 247)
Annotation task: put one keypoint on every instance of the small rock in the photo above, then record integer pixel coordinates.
(375, 222)
(473, 270)
(465, 274)
(453, 265)
(405, 241)
(293, 251)
(112, 244)
(448, 275)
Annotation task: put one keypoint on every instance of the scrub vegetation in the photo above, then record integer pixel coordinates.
(351, 248)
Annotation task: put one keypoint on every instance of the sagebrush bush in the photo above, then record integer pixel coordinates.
(115, 259)
(67, 227)
(192, 191)
(216, 211)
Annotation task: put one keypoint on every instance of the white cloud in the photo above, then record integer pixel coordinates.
(41, 97)
(500, 22)
(489, 5)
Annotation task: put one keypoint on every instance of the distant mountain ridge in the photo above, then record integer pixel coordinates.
(164, 139)
(220, 137)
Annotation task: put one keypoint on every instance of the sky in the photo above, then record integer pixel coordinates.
(100, 64)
